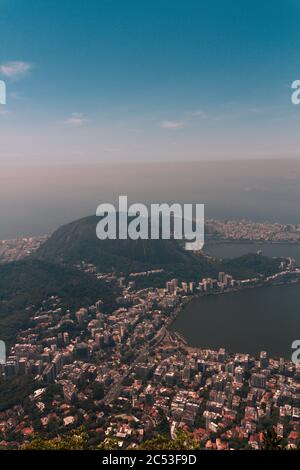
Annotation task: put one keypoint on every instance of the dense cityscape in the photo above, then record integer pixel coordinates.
(19, 248)
(125, 376)
(246, 230)
(150, 236)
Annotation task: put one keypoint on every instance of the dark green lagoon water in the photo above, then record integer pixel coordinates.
(248, 321)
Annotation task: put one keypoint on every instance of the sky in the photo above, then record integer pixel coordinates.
(167, 80)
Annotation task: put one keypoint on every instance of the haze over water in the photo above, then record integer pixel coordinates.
(36, 200)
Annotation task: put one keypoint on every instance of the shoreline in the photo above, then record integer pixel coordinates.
(234, 241)
(185, 342)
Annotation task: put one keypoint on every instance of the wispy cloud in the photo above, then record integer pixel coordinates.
(171, 124)
(15, 69)
(197, 113)
(75, 120)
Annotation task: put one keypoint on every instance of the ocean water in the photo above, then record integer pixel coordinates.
(233, 250)
(36, 200)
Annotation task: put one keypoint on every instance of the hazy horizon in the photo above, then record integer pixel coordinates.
(37, 200)
(163, 102)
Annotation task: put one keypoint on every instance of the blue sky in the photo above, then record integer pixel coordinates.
(105, 80)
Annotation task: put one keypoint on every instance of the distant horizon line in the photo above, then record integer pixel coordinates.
(149, 163)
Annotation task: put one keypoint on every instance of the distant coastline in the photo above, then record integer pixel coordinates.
(216, 241)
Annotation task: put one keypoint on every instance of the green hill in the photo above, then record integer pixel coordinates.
(77, 241)
(50, 271)
(28, 282)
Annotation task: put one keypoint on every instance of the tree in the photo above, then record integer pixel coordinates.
(98, 390)
(163, 427)
(14, 390)
(110, 443)
(182, 441)
(271, 441)
(74, 440)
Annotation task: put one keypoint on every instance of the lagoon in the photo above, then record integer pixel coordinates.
(247, 321)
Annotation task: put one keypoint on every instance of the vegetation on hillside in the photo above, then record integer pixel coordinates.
(25, 284)
(13, 390)
(78, 440)
(77, 241)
